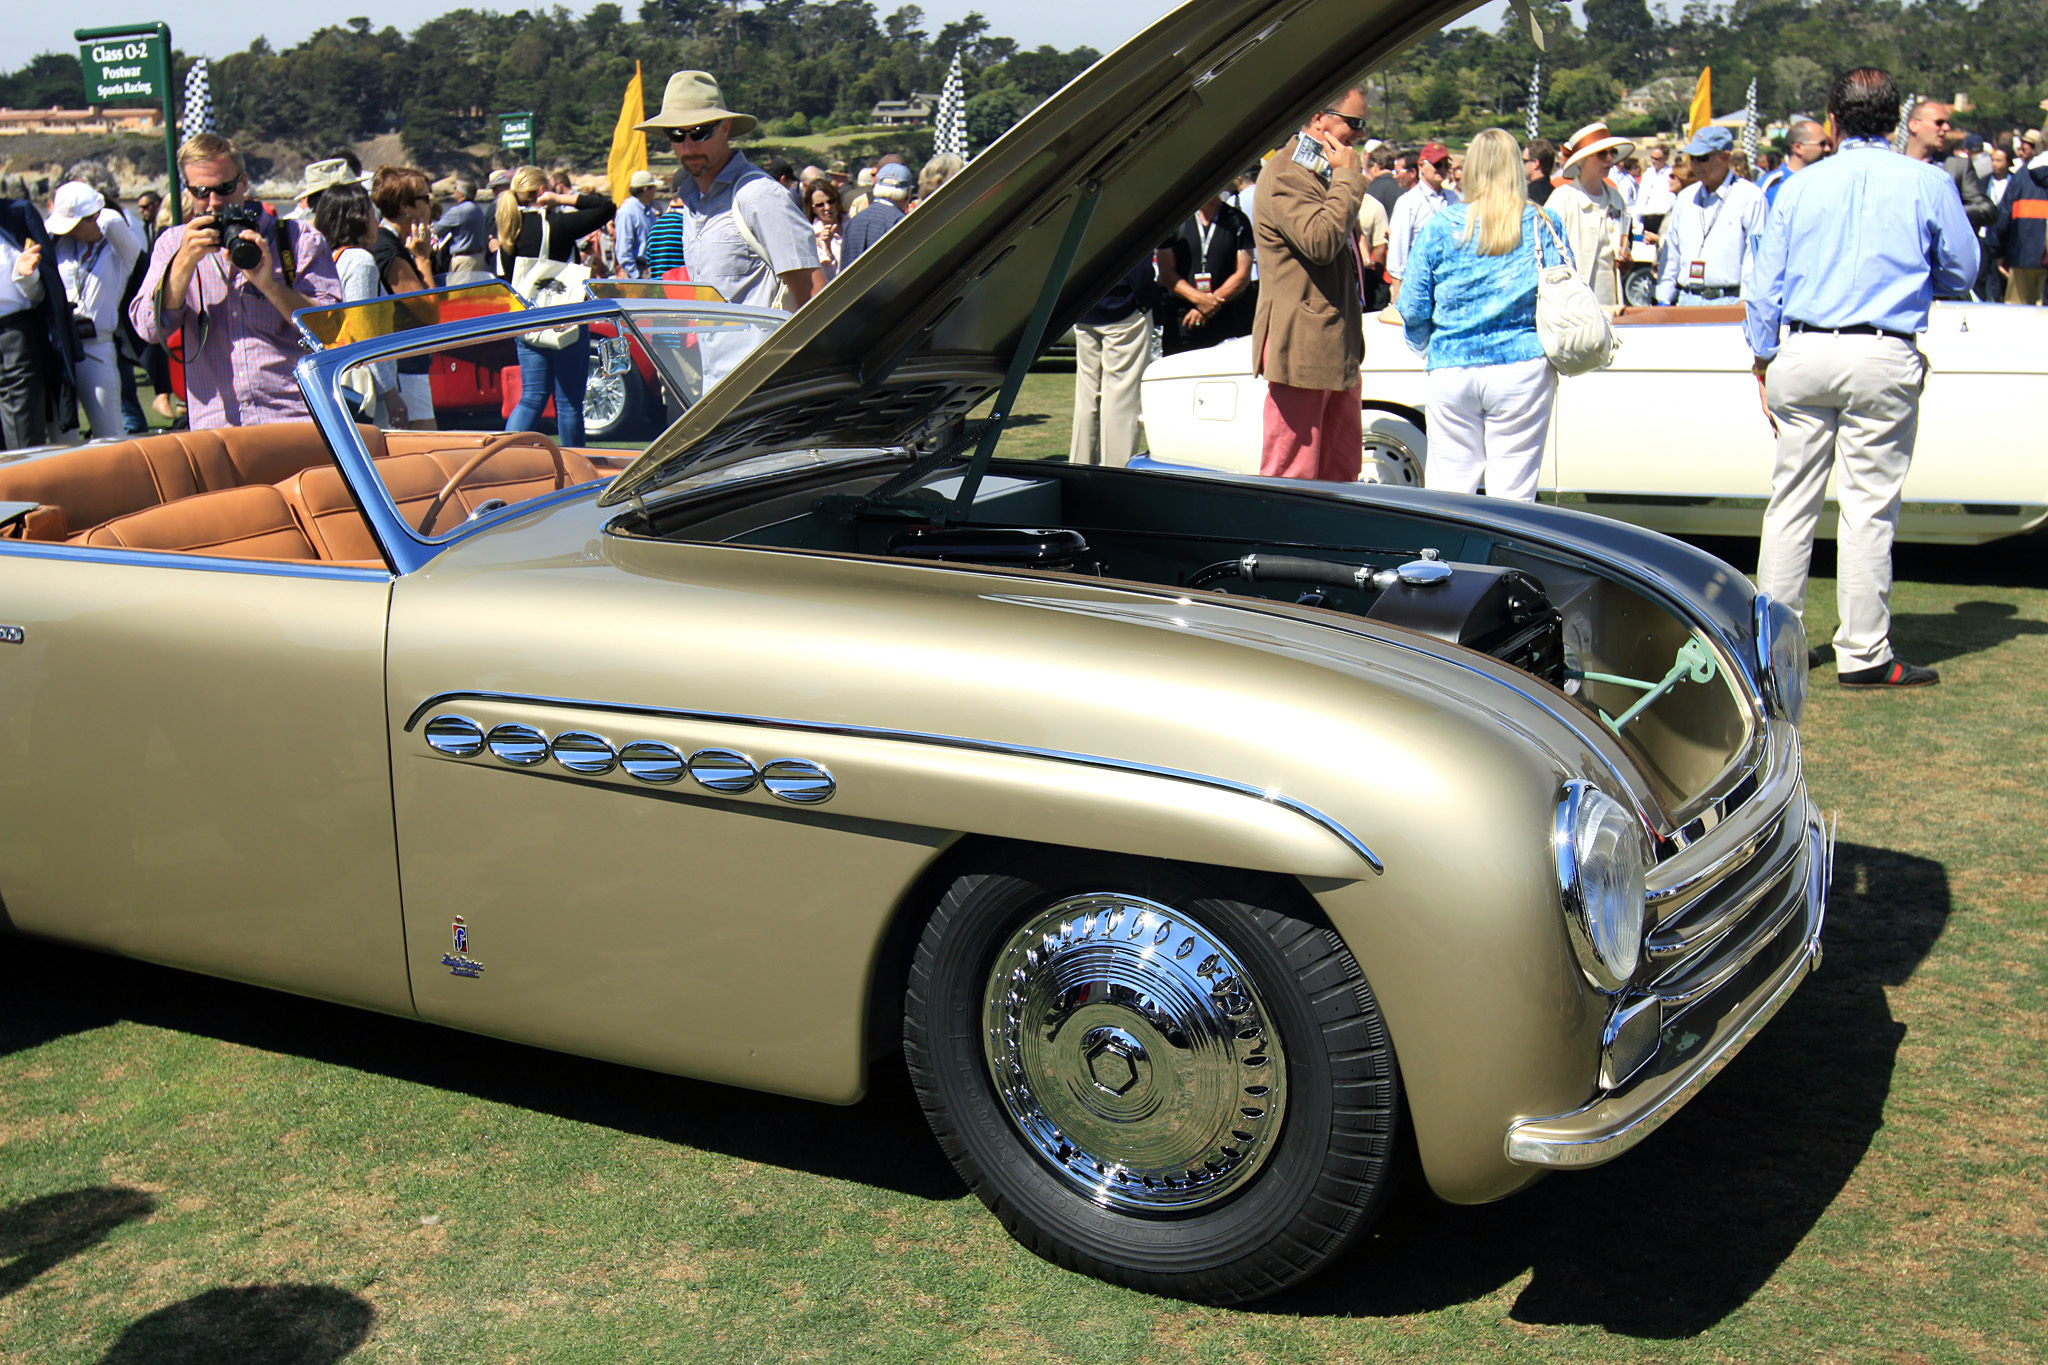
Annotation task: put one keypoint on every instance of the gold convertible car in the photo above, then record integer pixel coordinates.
(1213, 848)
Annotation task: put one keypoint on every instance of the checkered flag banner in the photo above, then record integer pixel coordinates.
(951, 123)
(198, 101)
(1905, 108)
(1749, 127)
(1535, 96)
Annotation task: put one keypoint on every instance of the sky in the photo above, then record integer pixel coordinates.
(209, 28)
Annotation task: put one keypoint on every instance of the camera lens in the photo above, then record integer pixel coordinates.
(245, 254)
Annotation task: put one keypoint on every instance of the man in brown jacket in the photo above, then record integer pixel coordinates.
(1307, 337)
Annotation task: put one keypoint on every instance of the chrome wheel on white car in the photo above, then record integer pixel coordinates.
(1395, 450)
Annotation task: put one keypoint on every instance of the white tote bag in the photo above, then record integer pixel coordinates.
(544, 282)
(1574, 328)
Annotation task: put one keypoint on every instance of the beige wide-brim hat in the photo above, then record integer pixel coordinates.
(1592, 138)
(692, 98)
(325, 175)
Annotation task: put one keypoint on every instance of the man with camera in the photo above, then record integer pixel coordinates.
(221, 286)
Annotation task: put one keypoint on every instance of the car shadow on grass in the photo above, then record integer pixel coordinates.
(37, 1235)
(264, 1324)
(1671, 1238)
(48, 991)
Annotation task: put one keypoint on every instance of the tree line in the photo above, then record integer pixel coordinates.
(807, 66)
(799, 65)
(1463, 79)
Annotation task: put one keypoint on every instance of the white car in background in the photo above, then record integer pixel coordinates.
(1671, 436)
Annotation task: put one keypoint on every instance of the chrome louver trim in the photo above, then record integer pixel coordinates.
(961, 742)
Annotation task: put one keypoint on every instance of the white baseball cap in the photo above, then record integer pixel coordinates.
(73, 203)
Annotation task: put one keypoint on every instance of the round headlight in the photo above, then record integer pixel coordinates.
(1781, 651)
(1601, 863)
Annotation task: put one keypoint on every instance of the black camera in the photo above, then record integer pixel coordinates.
(228, 221)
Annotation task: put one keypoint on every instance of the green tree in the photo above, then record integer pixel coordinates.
(1439, 100)
(1581, 95)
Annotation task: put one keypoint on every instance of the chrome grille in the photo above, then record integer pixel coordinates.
(1727, 908)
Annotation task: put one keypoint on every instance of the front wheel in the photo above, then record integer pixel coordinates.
(1639, 287)
(612, 401)
(1169, 1077)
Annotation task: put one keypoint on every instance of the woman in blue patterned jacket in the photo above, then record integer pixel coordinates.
(1468, 301)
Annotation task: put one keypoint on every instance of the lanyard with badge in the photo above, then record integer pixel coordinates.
(1204, 278)
(1696, 271)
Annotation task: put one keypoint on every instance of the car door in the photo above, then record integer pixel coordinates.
(193, 765)
(1676, 415)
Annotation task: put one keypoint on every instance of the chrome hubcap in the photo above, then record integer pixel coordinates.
(1130, 1048)
(604, 397)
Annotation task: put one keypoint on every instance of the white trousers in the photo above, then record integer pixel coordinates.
(99, 387)
(1849, 404)
(1108, 363)
(1489, 422)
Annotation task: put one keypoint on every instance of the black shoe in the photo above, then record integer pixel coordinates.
(1895, 673)
(1815, 658)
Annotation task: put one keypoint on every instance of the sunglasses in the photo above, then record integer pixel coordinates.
(703, 132)
(1354, 123)
(220, 191)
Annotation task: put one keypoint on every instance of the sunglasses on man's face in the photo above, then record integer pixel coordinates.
(220, 191)
(1356, 123)
(703, 132)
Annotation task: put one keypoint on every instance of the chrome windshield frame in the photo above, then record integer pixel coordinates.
(319, 379)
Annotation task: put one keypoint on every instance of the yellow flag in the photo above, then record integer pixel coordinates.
(629, 144)
(1697, 117)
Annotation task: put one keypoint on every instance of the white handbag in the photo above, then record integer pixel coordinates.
(545, 282)
(1574, 328)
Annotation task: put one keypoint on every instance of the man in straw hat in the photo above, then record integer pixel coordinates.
(1711, 232)
(741, 232)
(1594, 214)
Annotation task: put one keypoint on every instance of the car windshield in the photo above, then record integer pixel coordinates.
(462, 428)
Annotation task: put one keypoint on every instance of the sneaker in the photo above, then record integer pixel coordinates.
(1895, 673)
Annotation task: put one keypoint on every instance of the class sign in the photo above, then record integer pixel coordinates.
(122, 69)
(515, 130)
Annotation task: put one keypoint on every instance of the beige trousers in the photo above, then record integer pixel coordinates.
(2024, 285)
(1851, 405)
(1108, 363)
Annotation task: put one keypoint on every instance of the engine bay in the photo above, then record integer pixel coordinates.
(1630, 662)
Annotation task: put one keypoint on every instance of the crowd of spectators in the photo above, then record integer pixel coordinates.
(92, 292)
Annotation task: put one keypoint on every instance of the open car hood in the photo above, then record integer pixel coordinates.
(922, 327)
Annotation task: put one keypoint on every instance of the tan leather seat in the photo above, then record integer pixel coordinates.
(236, 523)
(336, 529)
(83, 488)
(330, 520)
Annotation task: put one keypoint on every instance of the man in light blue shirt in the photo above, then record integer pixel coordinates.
(1707, 238)
(1850, 258)
(635, 214)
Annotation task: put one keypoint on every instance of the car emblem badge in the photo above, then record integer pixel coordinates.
(459, 962)
(12, 635)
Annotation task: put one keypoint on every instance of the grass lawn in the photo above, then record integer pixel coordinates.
(195, 1171)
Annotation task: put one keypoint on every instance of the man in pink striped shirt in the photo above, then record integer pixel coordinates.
(239, 344)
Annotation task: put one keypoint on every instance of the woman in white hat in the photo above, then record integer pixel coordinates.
(1594, 214)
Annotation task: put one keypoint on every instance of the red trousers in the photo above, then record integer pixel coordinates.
(1312, 434)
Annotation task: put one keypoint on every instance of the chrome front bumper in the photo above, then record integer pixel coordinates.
(1753, 990)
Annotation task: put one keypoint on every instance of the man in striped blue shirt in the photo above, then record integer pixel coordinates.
(1849, 260)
